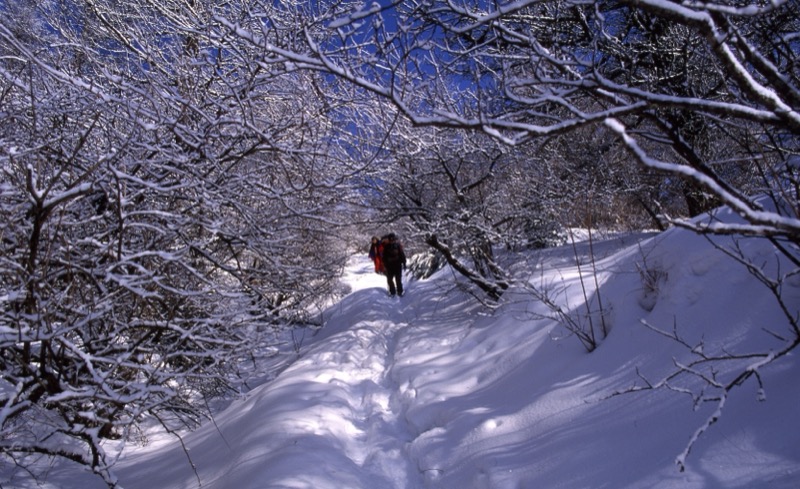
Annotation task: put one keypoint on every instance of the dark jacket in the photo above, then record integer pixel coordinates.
(392, 253)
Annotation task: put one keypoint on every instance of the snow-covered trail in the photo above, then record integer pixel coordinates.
(356, 367)
(374, 358)
(336, 417)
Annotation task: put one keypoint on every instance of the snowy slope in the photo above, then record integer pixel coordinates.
(433, 391)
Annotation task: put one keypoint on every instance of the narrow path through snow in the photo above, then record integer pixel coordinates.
(381, 446)
(372, 358)
(346, 413)
(335, 417)
(358, 356)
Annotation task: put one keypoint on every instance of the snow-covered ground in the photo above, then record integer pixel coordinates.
(433, 391)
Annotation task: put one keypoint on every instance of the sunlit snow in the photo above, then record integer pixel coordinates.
(434, 391)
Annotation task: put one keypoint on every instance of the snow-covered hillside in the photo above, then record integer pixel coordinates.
(434, 391)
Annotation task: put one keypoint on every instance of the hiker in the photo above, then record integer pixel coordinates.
(394, 262)
(375, 255)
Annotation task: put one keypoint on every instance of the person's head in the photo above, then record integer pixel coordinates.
(391, 236)
(374, 239)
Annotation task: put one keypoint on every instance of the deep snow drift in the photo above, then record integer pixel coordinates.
(434, 391)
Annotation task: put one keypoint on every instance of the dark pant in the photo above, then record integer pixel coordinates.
(394, 275)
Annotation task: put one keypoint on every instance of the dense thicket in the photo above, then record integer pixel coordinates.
(164, 201)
